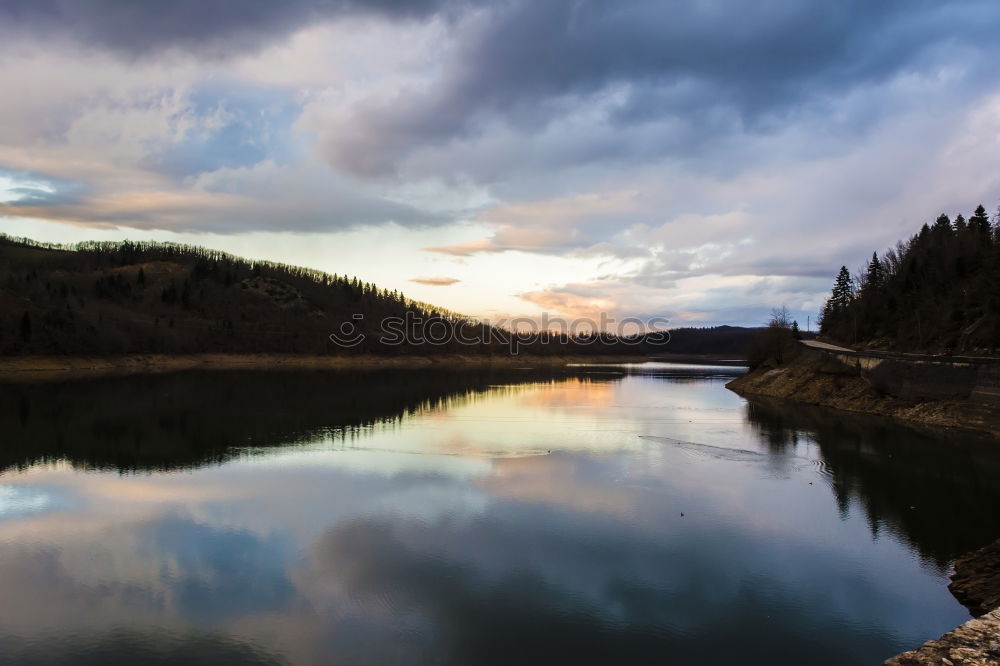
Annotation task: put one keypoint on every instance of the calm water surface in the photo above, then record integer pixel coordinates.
(629, 514)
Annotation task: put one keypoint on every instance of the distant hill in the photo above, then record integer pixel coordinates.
(939, 290)
(731, 341)
(137, 298)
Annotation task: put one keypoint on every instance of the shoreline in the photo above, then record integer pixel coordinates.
(976, 579)
(976, 585)
(814, 381)
(56, 368)
(975, 582)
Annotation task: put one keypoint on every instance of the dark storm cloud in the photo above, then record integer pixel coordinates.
(531, 63)
(215, 27)
(713, 67)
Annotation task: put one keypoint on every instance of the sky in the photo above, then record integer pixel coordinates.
(696, 160)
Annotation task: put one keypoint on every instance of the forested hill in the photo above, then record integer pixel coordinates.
(731, 341)
(135, 298)
(938, 291)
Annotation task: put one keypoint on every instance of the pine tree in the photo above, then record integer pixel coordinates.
(842, 291)
(942, 224)
(980, 221)
(875, 274)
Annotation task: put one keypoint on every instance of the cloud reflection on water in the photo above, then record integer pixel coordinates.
(452, 534)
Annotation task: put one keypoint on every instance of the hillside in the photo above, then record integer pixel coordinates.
(937, 291)
(114, 299)
(147, 298)
(155, 298)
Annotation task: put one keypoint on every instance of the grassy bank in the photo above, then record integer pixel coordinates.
(54, 368)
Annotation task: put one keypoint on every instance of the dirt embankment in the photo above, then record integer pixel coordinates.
(819, 381)
(56, 368)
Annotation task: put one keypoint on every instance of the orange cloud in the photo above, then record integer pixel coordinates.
(573, 305)
(436, 281)
(466, 249)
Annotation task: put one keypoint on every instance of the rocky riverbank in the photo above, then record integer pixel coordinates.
(976, 584)
(816, 380)
(975, 643)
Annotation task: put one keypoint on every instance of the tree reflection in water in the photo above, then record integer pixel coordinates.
(936, 489)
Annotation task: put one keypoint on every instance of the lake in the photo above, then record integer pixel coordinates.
(637, 514)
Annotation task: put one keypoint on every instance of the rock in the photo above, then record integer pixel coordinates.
(976, 582)
(975, 643)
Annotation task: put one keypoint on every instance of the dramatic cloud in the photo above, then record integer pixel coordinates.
(211, 27)
(698, 160)
(231, 201)
(694, 68)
